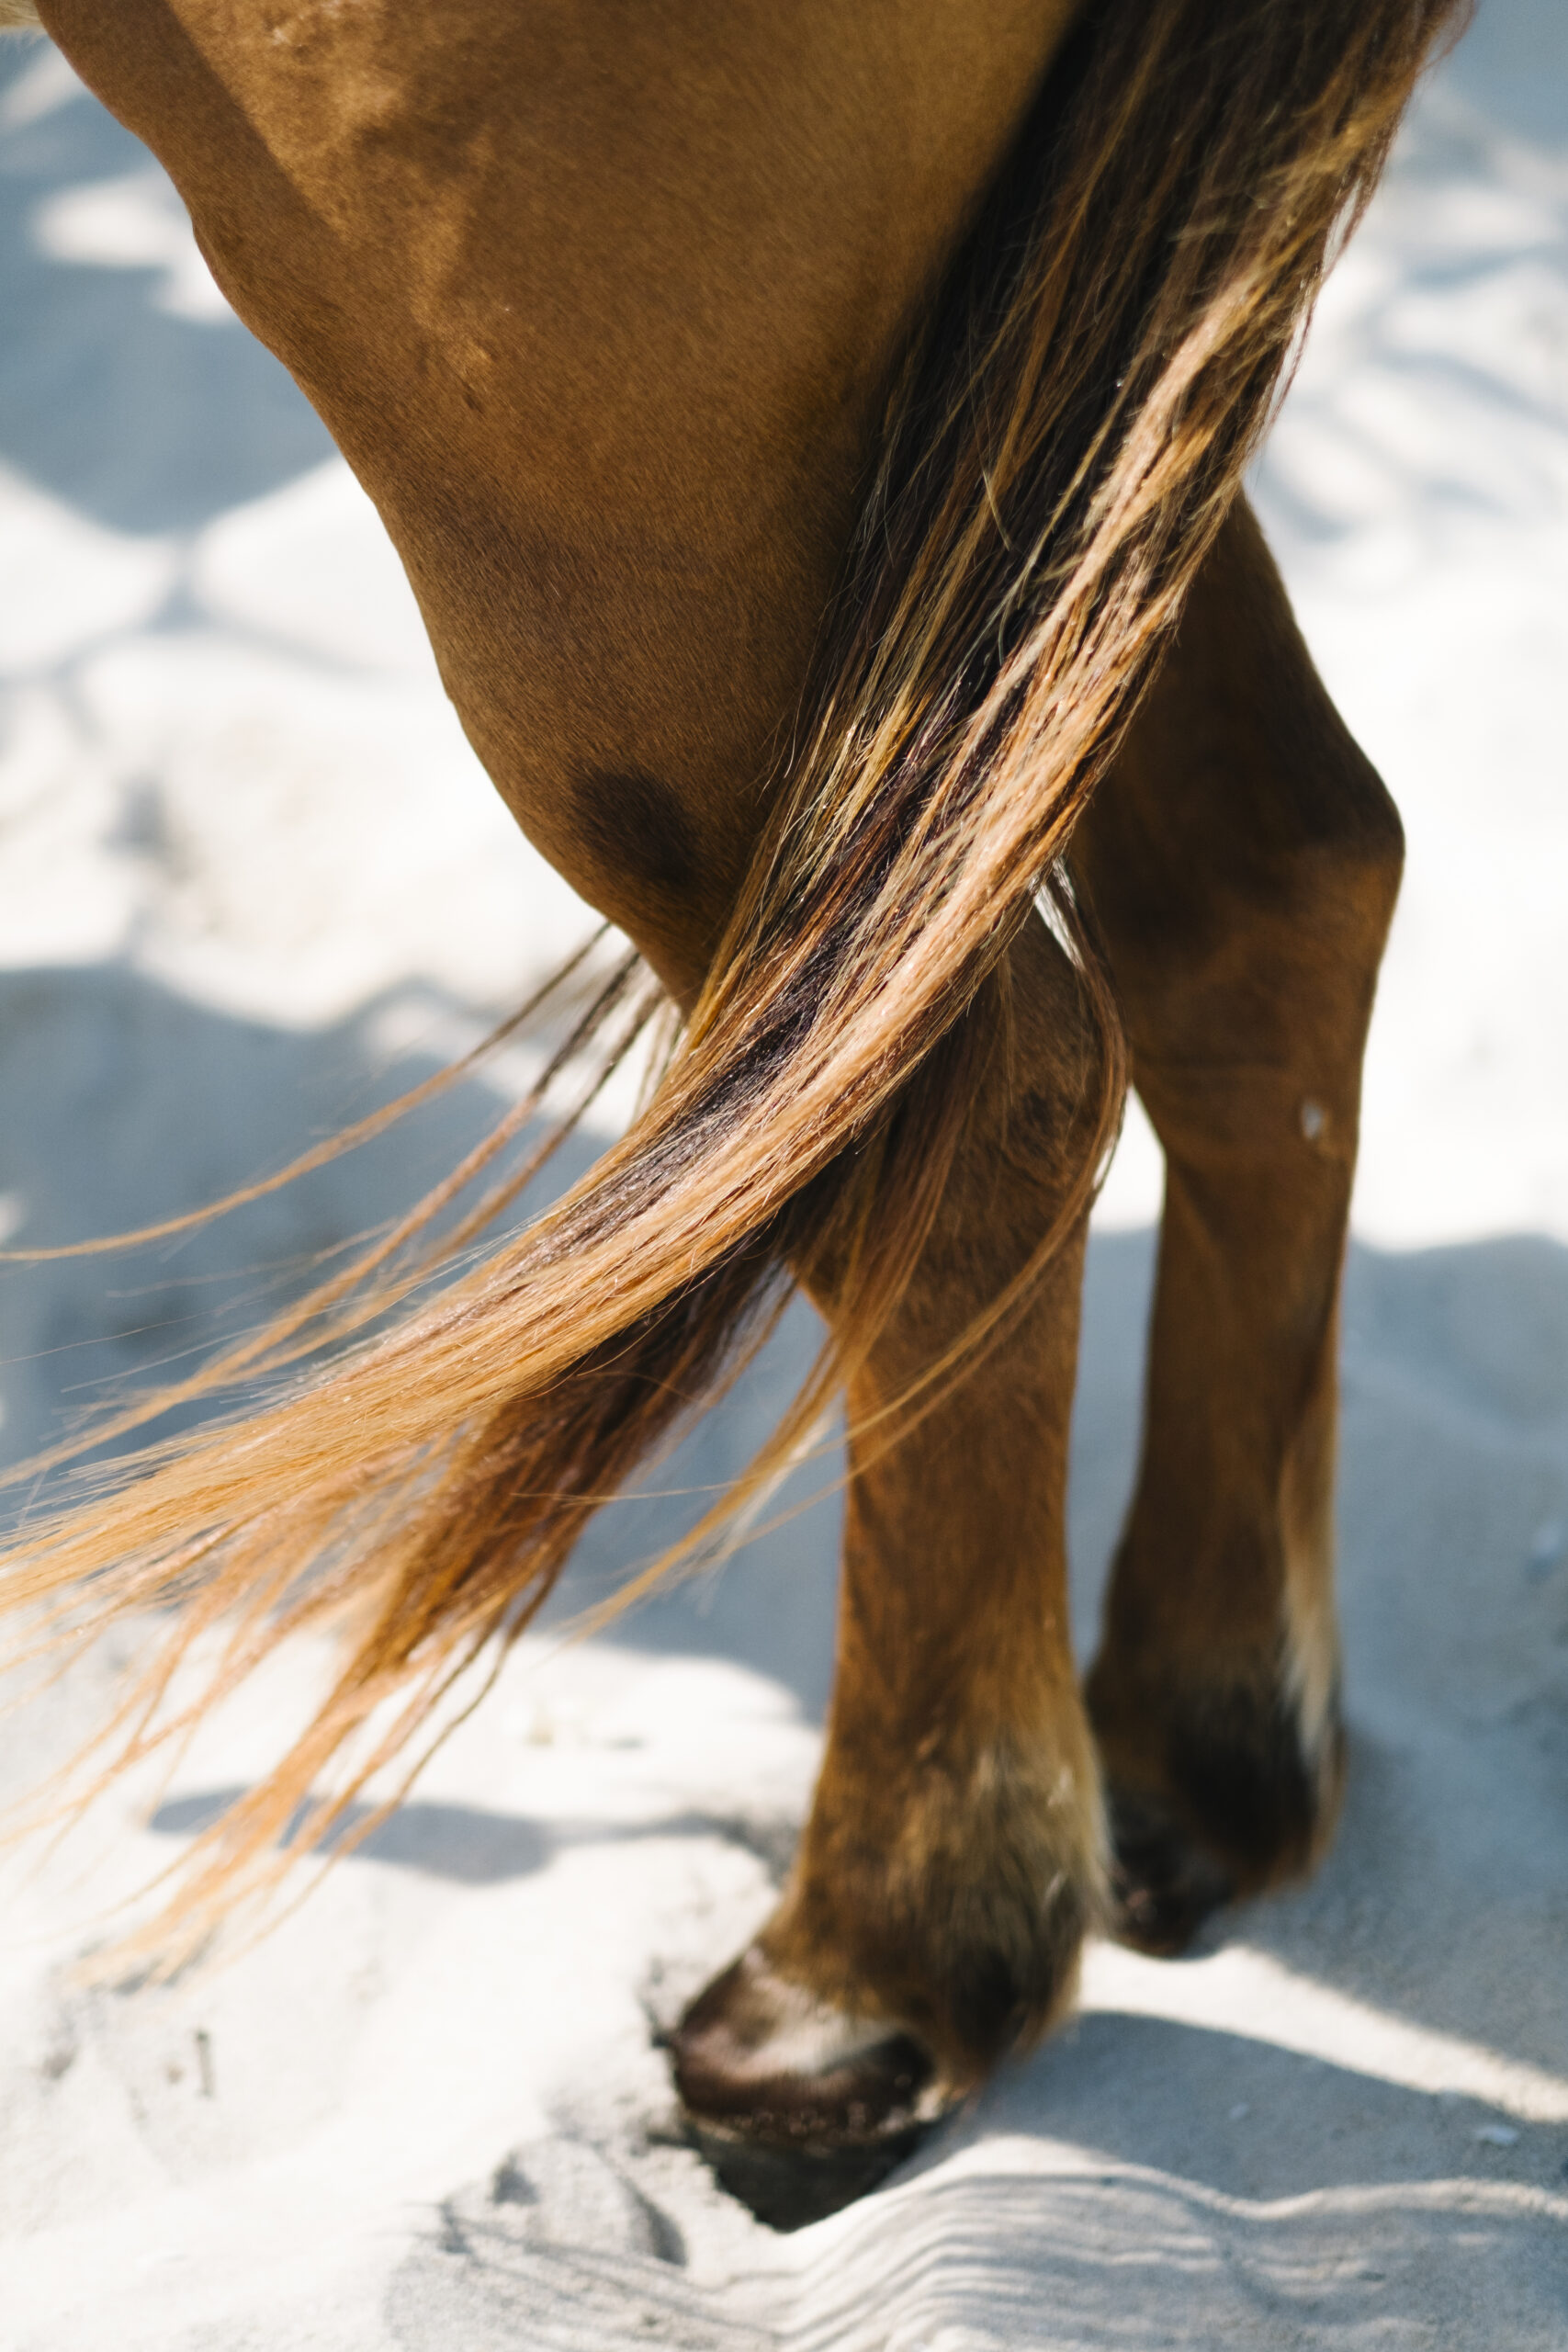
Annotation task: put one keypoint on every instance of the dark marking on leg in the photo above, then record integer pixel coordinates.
(1163, 1885)
(1237, 1761)
(1241, 1806)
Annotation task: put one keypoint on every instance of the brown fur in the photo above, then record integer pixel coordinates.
(820, 416)
(1243, 864)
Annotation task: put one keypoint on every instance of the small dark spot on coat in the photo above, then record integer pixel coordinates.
(635, 827)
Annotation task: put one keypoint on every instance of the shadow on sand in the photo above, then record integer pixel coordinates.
(1454, 1543)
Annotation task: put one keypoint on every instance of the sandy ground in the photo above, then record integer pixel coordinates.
(250, 879)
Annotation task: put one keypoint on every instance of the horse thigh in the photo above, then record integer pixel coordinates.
(602, 305)
(1243, 862)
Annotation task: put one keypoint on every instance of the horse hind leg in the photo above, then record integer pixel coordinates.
(1242, 862)
(954, 1850)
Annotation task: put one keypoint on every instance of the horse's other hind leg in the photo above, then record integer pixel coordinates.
(954, 1852)
(1243, 862)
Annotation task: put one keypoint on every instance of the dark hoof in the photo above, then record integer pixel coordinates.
(789, 2187)
(1162, 1885)
(798, 2107)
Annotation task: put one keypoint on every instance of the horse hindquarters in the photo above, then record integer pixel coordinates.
(1243, 860)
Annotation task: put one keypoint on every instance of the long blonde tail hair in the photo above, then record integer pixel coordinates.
(1066, 434)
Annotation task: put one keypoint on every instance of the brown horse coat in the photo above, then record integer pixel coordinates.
(809, 431)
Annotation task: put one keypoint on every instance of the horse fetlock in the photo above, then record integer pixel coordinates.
(1214, 1790)
(907, 1959)
(961, 1887)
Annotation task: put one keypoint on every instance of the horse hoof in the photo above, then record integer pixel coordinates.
(798, 2107)
(790, 2187)
(1162, 1885)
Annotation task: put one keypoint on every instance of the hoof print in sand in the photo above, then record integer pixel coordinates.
(556, 2248)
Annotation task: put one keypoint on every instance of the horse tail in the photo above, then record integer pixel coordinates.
(1063, 440)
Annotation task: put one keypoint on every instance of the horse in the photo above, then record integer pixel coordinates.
(815, 437)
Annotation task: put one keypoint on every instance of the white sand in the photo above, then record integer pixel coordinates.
(245, 864)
